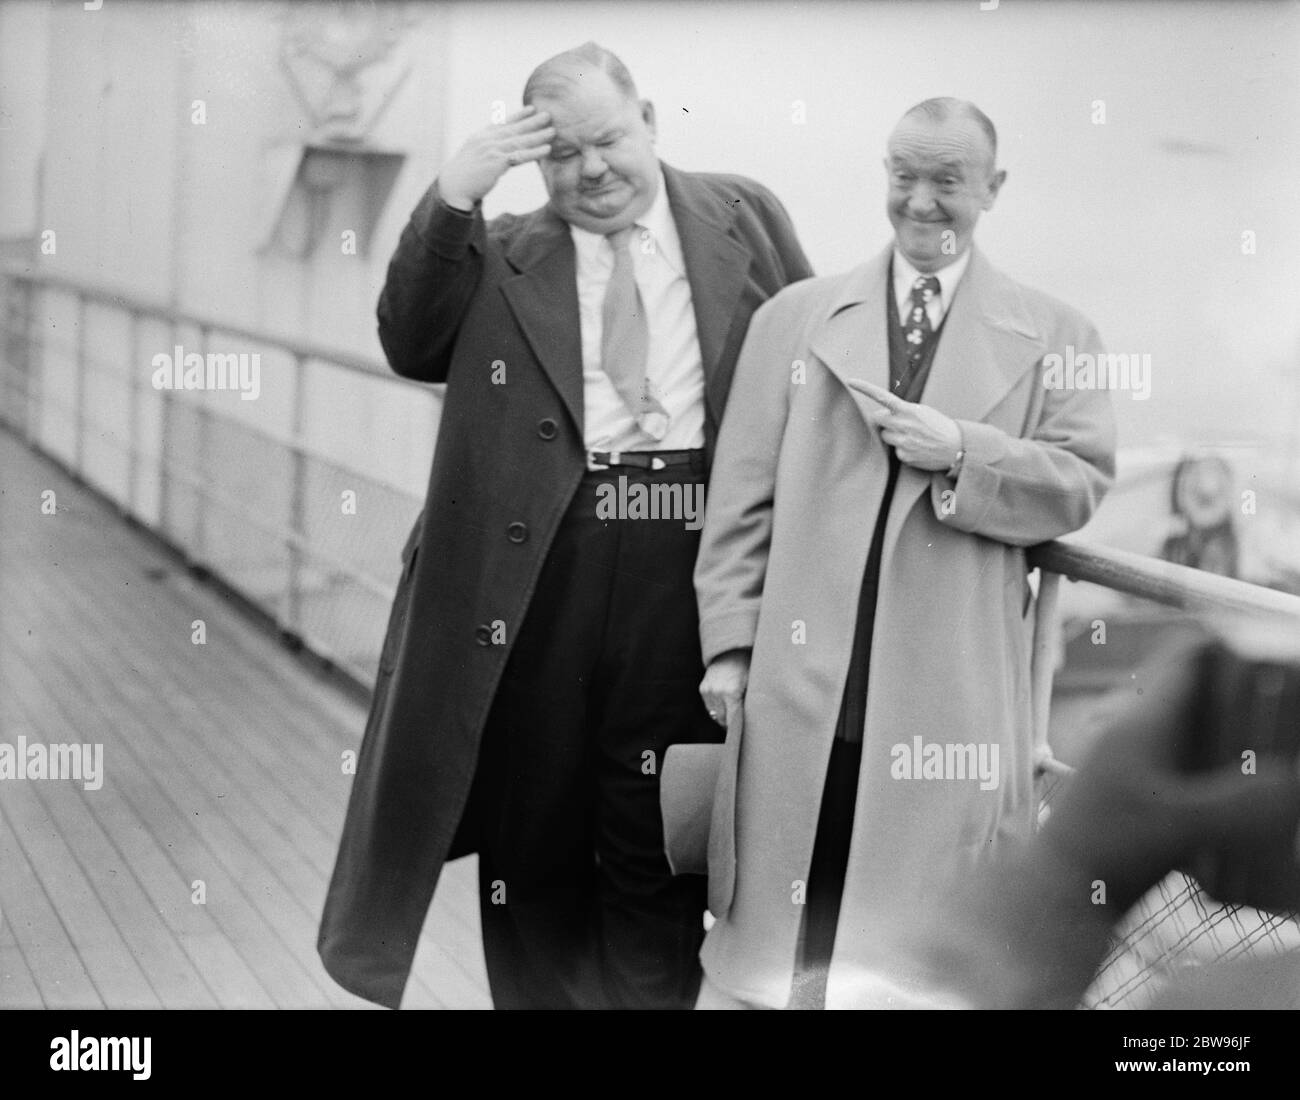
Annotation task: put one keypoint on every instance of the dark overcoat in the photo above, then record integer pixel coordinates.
(492, 310)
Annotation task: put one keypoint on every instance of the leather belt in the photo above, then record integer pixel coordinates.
(645, 460)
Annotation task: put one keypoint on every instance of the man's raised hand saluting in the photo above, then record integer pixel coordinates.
(490, 153)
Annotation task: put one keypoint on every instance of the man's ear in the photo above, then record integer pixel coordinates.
(648, 117)
(995, 185)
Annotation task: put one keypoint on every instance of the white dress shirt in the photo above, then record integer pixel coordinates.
(937, 307)
(674, 366)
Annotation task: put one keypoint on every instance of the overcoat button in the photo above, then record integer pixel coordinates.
(483, 634)
(517, 532)
(547, 428)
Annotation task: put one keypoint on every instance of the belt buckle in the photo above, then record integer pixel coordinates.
(593, 465)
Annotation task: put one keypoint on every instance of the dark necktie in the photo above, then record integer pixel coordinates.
(625, 340)
(917, 330)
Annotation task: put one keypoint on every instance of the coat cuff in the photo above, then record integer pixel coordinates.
(977, 483)
(984, 444)
(722, 633)
(441, 229)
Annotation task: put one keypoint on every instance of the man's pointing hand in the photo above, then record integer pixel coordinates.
(921, 436)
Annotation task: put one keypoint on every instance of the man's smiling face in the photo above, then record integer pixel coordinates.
(941, 178)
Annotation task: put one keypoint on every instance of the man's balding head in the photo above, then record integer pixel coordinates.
(941, 165)
(567, 71)
(942, 108)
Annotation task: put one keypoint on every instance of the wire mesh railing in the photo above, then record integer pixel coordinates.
(1176, 927)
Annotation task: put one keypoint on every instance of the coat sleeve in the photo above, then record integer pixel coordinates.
(1030, 489)
(431, 279)
(734, 543)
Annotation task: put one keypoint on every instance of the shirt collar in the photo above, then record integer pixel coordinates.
(905, 275)
(658, 220)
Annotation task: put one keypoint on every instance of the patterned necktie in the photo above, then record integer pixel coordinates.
(917, 330)
(625, 340)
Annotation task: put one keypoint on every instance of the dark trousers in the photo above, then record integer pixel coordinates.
(831, 847)
(830, 861)
(578, 906)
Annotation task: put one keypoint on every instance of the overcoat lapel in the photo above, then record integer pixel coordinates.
(544, 300)
(988, 342)
(716, 266)
(853, 343)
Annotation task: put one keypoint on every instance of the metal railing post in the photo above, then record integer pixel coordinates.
(202, 449)
(292, 616)
(1042, 670)
(14, 409)
(133, 420)
(33, 365)
(166, 485)
(79, 398)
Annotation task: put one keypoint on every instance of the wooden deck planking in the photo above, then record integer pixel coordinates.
(172, 797)
(105, 954)
(207, 707)
(452, 930)
(17, 986)
(232, 836)
(93, 854)
(50, 954)
(237, 732)
(170, 972)
(453, 916)
(464, 984)
(146, 850)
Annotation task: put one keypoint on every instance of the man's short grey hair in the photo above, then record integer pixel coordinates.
(558, 74)
(942, 108)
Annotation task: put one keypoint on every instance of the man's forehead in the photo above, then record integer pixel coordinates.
(585, 113)
(954, 143)
(581, 94)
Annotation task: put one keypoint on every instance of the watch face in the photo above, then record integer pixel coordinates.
(1203, 493)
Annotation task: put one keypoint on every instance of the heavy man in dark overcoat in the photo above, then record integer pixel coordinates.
(538, 660)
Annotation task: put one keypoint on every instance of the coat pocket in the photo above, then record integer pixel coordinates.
(401, 603)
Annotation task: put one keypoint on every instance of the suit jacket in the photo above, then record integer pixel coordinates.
(798, 481)
(465, 300)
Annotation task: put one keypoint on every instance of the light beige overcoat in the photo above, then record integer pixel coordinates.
(796, 486)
